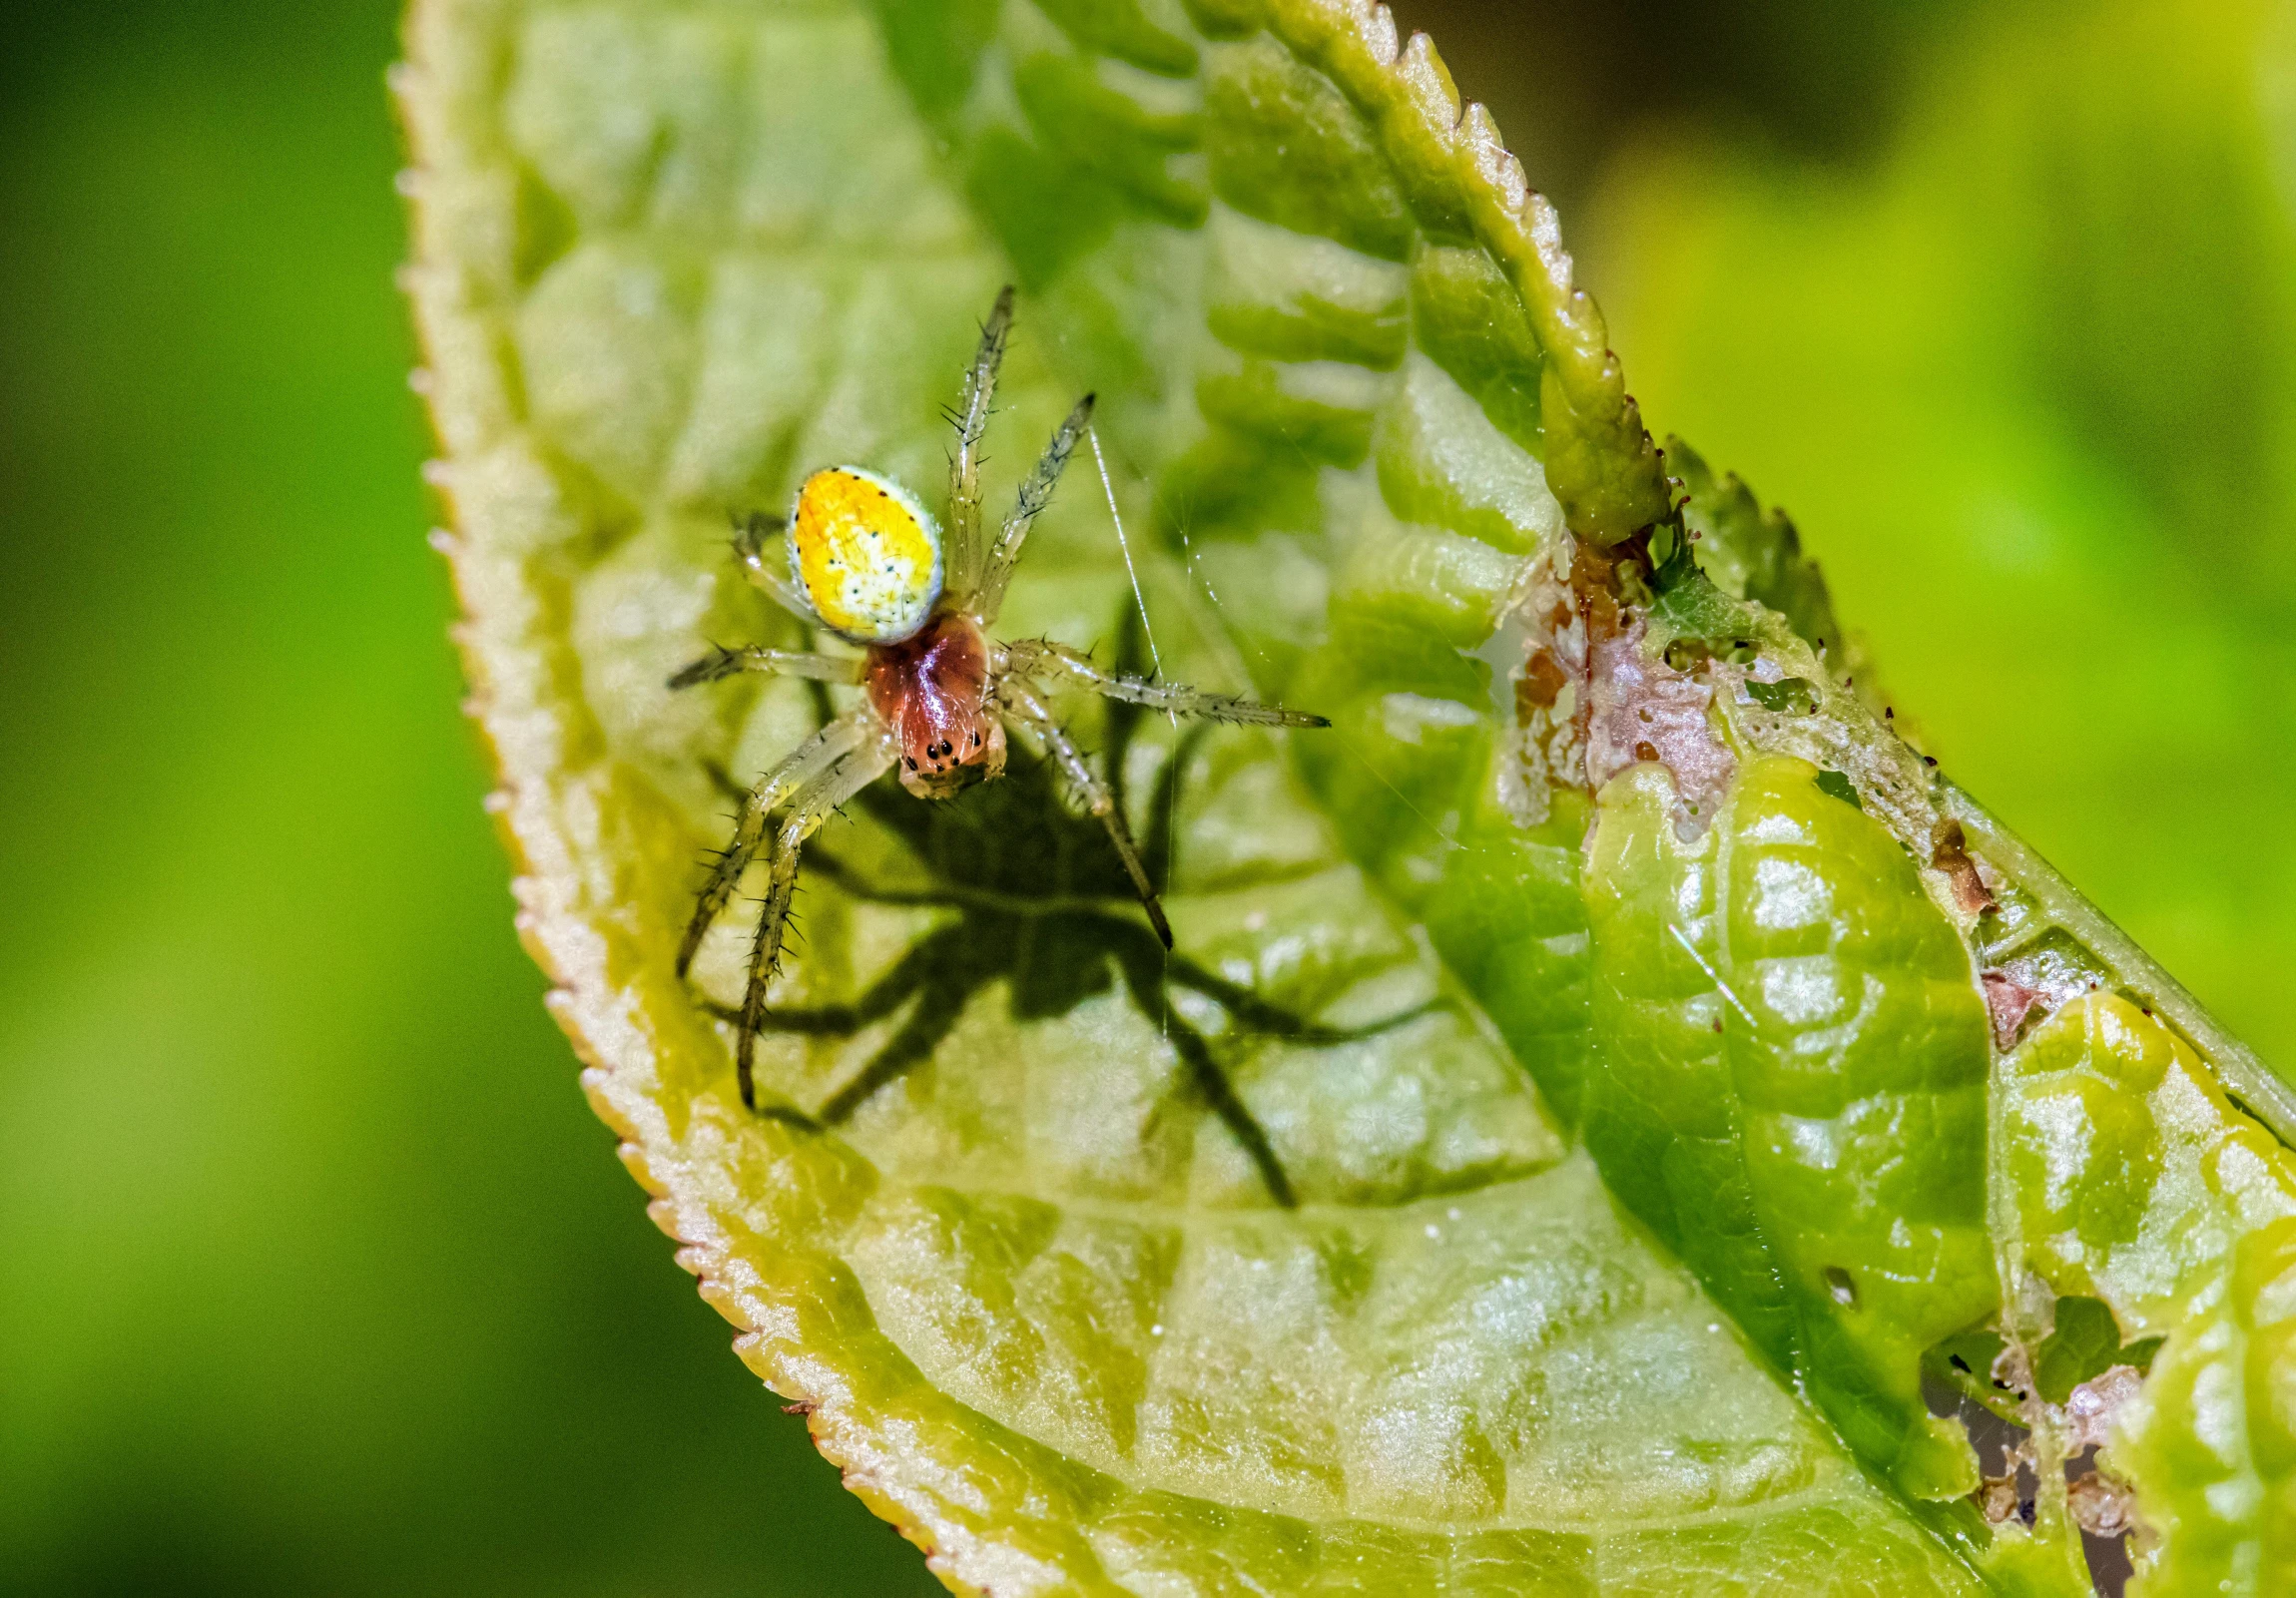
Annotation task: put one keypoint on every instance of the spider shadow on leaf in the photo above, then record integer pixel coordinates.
(1043, 904)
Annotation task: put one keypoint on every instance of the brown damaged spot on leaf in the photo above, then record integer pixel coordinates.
(1592, 701)
(1950, 854)
(1639, 708)
(2099, 1505)
(2012, 1483)
(2012, 1004)
(2093, 1406)
(1541, 683)
(2013, 1370)
(2103, 1506)
(1998, 1498)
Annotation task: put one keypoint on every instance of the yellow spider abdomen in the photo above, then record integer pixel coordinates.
(868, 553)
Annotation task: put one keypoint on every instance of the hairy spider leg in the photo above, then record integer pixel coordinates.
(801, 768)
(1030, 657)
(755, 533)
(1036, 716)
(722, 663)
(971, 418)
(813, 804)
(1036, 494)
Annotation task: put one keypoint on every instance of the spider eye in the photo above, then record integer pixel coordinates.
(868, 553)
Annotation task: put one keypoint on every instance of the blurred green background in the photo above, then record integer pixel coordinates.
(315, 1273)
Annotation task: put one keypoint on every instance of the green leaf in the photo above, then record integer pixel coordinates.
(2141, 1192)
(2086, 1344)
(1839, 786)
(1641, 1170)
(2028, 382)
(2223, 1503)
(1793, 1090)
(1794, 695)
(1749, 553)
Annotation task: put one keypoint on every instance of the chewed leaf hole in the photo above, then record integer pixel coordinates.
(1993, 1391)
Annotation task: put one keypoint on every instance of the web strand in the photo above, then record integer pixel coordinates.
(1125, 544)
(1155, 660)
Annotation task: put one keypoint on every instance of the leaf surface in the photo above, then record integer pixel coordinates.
(1030, 1280)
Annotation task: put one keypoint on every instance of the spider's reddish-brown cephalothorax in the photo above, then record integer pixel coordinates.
(871, 566)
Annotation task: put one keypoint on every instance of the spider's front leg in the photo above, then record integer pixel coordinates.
(1029, 709)
(1031, 656)
(806, 763)
(1036, 494)
(965, 554)
(813, 804)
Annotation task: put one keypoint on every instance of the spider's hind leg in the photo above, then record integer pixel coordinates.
(722, 663)
(1098, 796)
(753, 537)
(812, 805)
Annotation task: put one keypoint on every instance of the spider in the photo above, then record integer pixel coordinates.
(871, 567)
